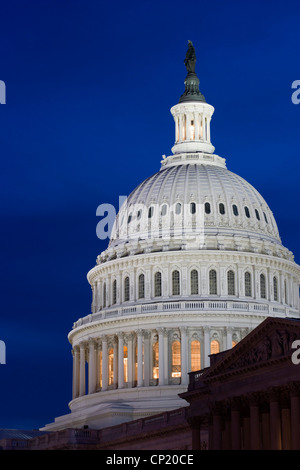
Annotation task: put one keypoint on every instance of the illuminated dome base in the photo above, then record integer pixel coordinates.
(114, 407)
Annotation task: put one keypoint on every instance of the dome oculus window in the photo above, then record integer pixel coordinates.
(266, 218)
(139, 214)
(257, 214)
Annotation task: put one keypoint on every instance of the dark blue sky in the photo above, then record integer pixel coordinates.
(89, 88)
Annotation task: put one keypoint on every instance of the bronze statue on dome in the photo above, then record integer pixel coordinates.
(190, 58)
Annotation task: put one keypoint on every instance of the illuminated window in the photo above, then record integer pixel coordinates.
(248, 288)
(126, 289)
(157, 284)
(262, 279)
(110, 366)
(100, 368)
(194, 282)
(275, 287)
(192, 130)
(155, 368)
(212, 282)
(104, 295)
(176, 359)
(125, 362)
(230, 283)
(141, 286)
(195, 355)
(234, 343)
(214, 347)
(114, 292)
(175, 283)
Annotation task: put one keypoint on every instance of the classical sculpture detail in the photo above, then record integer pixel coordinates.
(190, 58)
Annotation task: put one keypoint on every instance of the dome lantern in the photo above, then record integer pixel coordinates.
(192, 115)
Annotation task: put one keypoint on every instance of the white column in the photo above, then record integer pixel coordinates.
(115, 346)
(161, 361)
(130, 359)
(184, 356)
(208, 128)
(76, 358)
(166, 356)
(206, 346)
(121, 361)
(104, 364)
(147, 336)
(140, 358)
(229, 337)
(82, 370)
(92, 367)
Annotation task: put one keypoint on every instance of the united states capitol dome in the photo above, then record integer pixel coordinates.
(194, 263)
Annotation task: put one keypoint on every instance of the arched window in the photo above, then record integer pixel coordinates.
(275, 287)
(125, 362)
(235, 210)
(163, 210)
(150, 212)
(230, 283)
(175, 283)
(178, 208)
(114, 292)
(155, 368)
(193, 208)
(126, 289)
(110, 366)
(104, 295)
(194, 282)
(176, 359)
(157, 284)
(257, 214)
(207, 208)
(212, 282)
(214, 346)
(247, 212)
(195, 355)
(248, 288)
(262, 280)
(141, 286)
(221, 208)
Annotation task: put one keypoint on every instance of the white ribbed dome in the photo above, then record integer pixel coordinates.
(200, 201)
